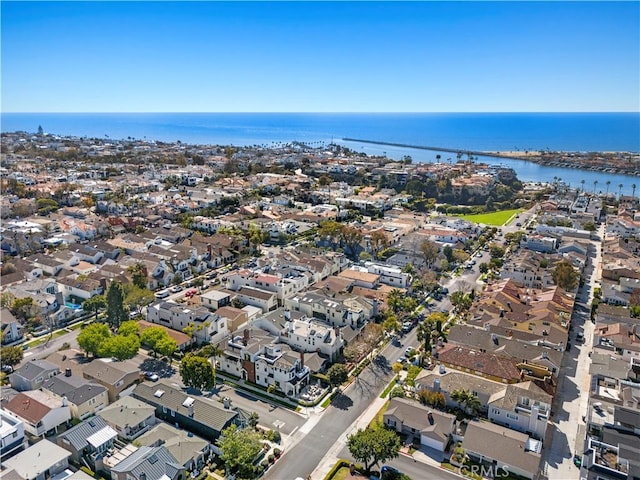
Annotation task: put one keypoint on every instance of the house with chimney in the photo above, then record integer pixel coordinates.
(12, 330)
(431, 428)
(188, 449)
(254, 355)
(201, 416)
(84, 398)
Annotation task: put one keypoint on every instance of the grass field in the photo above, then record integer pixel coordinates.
(493, 218)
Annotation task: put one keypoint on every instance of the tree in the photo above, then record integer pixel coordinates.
(120, 347)
(139, 274)
(466, 400)
(130, 327)
(374, 445)
(23, 308)
(565, 276)
(461, 301)
(116, 312)
(166, 346)
(351, 237)
(483, 267)
(378, 241)
(197, 372)
(253, 419)
(136, 297)
(11, 355)
(92, 336)
(337, 374)
(239, 449)
(152, 337)
(94, 304)
(429, 251)
(496, 251)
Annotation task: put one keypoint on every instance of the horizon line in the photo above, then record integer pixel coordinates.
(317, 112)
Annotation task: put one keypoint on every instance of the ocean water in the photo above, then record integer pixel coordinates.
(459, 131)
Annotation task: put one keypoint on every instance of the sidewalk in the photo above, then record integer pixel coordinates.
(329, 460)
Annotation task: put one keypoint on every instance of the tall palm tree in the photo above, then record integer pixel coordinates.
(633, 189)
(582, 182)
(608, 183)
(595, 184)
(620, 190)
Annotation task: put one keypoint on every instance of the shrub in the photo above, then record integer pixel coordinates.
(271, 458)
(277, 452)
(65, 346)
(274, 436)
(264, 464)
(87, 470)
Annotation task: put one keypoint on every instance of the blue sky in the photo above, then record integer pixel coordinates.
(320, 56)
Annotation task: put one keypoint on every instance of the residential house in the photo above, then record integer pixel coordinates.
(257, 297)
(148, 463)
(183, 341)
(39, 412)
(40, 461)
(344, 310)
(207, 326)
(253, 355)
(84, 399)
(214, 299)
(129, 417)
(189, 450)
(614, 454)
(431, 427)
(390, 275)
(506, 450)
(116, 376)
(88, 441)
(483, 364)
(12, 438)
(302, 333)
(201, 416)
(540, 243)
(524, 407)
(33, 374)
(12, 331)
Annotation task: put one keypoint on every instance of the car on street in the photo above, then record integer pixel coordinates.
(401, 360)
(176, 289)
(388, 472)
(7, 368)
(151, 376)
(161, 294)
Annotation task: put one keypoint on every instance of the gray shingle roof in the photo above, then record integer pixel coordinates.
(77, 390)
(127, 411)
(34, 368)
(184, 446)
(204, 411)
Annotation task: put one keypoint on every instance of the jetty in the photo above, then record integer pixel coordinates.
(460, 151)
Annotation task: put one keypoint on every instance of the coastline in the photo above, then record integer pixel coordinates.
(626, 163)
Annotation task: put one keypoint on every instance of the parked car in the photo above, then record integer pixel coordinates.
(151, 376)
(161, 294)
(176, 289)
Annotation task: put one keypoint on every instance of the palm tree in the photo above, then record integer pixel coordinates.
(620, 190)
(582, 182)
(472, 405)
(459, 396)
(633, 189)
(595, 183)
(608, 183)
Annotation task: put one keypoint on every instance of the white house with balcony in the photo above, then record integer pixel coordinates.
(389, 275)
(524, 407)
(11, 434)
(207, 326)
(254, 356)
(335, 311)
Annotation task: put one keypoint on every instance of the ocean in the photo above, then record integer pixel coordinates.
(459, 131)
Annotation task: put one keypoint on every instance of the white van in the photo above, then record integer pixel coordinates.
(161, 294)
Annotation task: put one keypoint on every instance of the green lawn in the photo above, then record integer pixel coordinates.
(493, 218)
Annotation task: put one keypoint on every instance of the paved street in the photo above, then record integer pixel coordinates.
(572, 395)
(353, 409)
